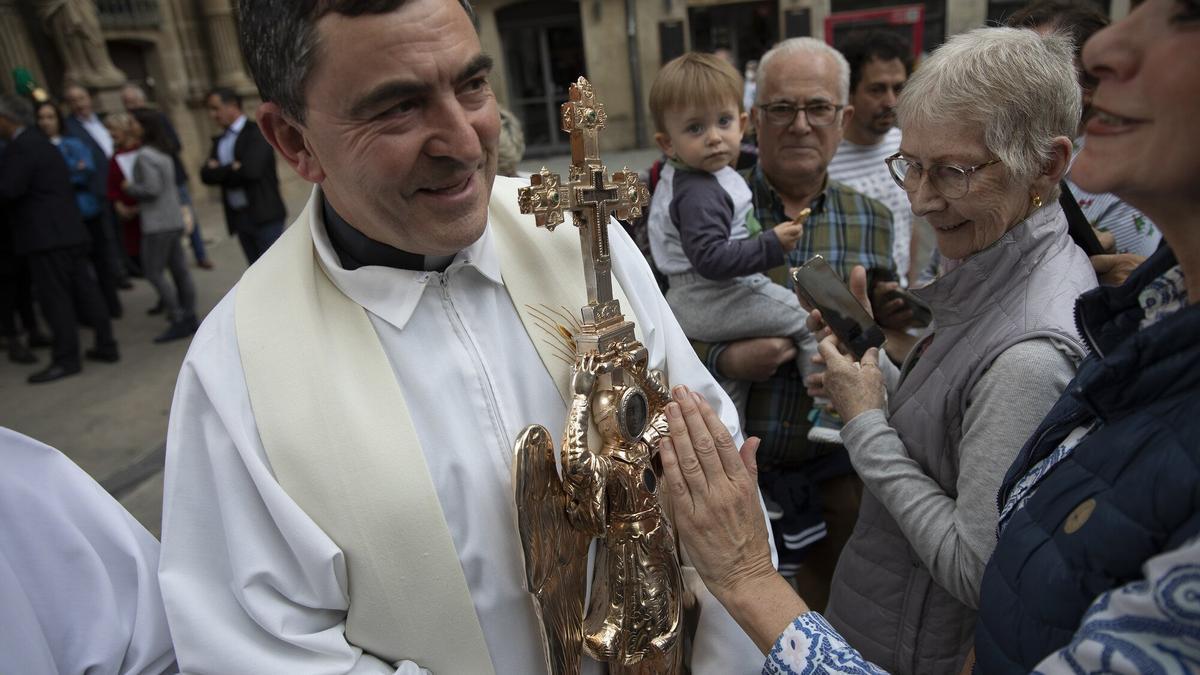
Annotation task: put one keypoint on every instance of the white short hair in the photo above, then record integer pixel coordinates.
(1017, 85)
(809, 47)
(136, 89)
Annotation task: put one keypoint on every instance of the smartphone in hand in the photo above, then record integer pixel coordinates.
(818, 285)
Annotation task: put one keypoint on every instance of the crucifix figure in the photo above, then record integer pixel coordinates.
(590, 197)
(607, 489)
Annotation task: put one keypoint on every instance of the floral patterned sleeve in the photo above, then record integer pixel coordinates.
(1148, 626)
(811, 646)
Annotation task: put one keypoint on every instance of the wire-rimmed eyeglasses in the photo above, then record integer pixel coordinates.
(818, 114)
(948, 180)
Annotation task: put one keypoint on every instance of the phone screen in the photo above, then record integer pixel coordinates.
(817, 285)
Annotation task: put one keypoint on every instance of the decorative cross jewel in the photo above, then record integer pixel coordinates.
(543, 199)
(589, 196)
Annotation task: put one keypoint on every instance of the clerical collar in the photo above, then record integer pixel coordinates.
(355, 249)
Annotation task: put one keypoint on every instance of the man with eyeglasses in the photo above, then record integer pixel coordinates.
(801, 113)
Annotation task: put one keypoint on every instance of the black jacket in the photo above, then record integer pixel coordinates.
(36, 191)
(256, 176)
(1129, 491)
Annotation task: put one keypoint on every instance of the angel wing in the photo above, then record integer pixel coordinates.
(555, 552)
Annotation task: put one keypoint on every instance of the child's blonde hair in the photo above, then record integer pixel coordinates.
(693, 79)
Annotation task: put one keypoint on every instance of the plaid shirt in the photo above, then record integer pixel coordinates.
(847, 228)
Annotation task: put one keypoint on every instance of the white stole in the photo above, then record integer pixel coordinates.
(377, 502)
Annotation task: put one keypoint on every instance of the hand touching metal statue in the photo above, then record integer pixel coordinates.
(609, 491)
(637, 589)
(608, 488)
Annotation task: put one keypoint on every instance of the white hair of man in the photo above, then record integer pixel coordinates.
(1017, 85)
(805, 46)
(135, 91)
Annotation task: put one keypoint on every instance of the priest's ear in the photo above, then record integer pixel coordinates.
(290, 140)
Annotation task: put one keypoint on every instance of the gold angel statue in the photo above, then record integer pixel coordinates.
(608, 487)
(607, 492)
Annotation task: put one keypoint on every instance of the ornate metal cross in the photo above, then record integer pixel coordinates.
(590, 197)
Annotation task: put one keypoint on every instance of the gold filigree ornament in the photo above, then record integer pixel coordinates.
(608, 488)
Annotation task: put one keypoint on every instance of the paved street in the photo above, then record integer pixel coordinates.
(112, 419)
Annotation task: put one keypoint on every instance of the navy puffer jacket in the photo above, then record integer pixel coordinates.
(1129, 491)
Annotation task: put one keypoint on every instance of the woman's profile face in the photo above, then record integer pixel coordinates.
(47, 121)
(1141, 142)
(992, 205)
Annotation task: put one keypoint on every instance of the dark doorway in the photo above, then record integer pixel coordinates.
(746, 29)
(133, 58)
(543, 50)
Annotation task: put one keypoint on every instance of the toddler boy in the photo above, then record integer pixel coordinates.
(701, 225)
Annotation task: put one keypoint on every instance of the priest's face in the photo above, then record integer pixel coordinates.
(402, 126)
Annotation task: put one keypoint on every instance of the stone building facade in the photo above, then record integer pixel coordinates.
(541, 46)
(179, 49)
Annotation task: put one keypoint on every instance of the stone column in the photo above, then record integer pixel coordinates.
(16, 50)
(75, 28)
(228, 68)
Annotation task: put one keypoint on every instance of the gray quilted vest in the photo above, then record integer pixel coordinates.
(883, 599)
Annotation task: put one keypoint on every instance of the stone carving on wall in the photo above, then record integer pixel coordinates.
(75, 28)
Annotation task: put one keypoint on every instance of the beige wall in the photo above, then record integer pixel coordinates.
(607, 50)
(607, 57)
(489, 39)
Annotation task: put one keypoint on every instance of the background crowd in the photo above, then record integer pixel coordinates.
(1010, 484)
(90, 202)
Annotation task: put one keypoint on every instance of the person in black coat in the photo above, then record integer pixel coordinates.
(16, 299)
(46, 227)
(242, 163)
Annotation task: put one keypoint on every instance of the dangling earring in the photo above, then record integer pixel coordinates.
(1037, 201)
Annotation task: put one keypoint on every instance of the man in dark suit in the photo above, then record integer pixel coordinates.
(35, 189)
(106, 252)
(243, 164)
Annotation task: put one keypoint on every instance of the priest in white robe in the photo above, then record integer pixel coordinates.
(78, 590)
(411, 324)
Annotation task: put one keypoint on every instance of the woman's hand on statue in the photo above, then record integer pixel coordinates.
(854, 386)
(713, 488)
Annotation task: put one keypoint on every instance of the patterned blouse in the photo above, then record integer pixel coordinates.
(1148, 626)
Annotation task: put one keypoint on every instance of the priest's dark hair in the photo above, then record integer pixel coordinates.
(278, 40)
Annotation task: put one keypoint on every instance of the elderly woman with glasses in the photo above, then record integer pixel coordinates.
(986, 126)
(987, 123)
